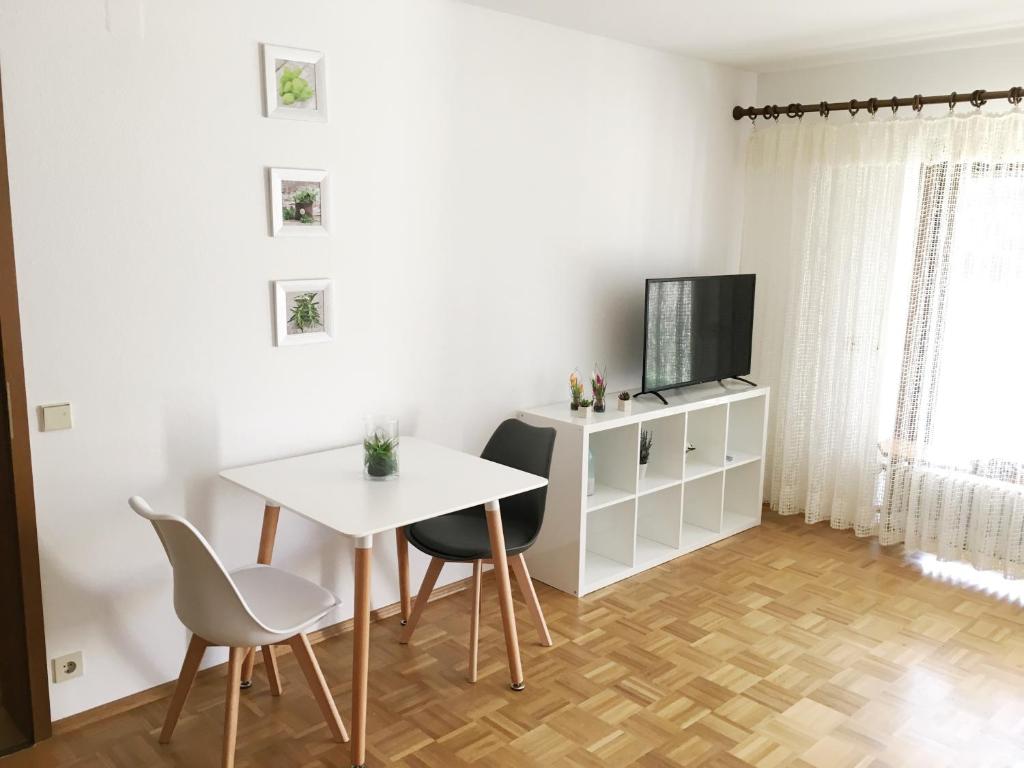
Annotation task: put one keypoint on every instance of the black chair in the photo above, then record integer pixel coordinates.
(462, 537)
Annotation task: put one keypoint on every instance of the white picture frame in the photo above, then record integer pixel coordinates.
(286, 293)
(284, 184)
(312, 69)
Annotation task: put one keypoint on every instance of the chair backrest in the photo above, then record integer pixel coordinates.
(205, 597)
(517, 444)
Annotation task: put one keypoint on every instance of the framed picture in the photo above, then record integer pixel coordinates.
(299, 202)
(294, 83)
(303, 311)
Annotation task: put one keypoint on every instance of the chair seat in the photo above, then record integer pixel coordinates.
(282, 601)
(462, 536)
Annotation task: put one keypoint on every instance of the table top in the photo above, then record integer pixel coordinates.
(329, 488)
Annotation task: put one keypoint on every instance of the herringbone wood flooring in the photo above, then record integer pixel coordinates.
(788, 645)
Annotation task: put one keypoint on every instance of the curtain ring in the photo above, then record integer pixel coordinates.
(872, 106)
(918, 103)
(767, 111)
(823, 109)
(775, 112)
(795, 110)
(751, 114)
(1015, 95)
(894, 104)
(952, 101)
(854, 109)
(978, 99)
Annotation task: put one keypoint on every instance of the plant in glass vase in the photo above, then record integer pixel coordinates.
(380, 448)
(575, 390)
(598, 383)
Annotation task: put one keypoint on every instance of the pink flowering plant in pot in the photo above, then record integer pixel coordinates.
(598, 383)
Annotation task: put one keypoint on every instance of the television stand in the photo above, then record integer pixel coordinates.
(738, 378)
(656, 394)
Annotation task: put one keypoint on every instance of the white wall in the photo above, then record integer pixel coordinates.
(995, 68)
(501, 187)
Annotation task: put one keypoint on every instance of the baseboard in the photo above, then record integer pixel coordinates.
(164, 690)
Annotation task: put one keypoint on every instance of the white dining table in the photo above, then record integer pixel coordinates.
(329, 488)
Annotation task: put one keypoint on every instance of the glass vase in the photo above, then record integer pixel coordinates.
(380, 448)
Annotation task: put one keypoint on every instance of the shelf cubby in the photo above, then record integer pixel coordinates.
(614, 454)
(611, 539)
(706, 432)
(745, 441)
(742, 505)
(664, 469)
(702, 502)
(659, 516)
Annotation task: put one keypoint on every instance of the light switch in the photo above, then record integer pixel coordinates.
(56, 416)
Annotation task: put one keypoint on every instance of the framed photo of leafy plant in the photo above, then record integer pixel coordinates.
(294, 83)
(299, 202)
(303, 311)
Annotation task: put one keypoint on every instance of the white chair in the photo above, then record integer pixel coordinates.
(258, 605)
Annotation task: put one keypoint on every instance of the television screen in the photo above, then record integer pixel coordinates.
(697, 329)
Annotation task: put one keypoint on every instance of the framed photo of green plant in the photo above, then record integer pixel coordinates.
(294, 83)
(303, 311)
(299, 202)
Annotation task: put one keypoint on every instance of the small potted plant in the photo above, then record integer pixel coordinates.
(625, 403)
(575, 390)
(585, 409)
(646, 443)
(380, 449)
(303, 204)
(598, 384)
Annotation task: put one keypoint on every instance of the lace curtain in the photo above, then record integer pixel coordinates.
(889, 257)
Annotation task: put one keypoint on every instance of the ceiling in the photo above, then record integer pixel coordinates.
(765, 36)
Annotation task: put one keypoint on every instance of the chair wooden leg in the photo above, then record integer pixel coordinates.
(518, 564)
(429, 580)
(235, 659)
(403, 573)
(189, 668)
(474, 619)
(315, 677)
(273, 673)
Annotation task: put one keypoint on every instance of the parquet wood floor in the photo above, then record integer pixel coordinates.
(788, 645)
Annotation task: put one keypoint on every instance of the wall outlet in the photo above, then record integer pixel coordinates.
(67, 667)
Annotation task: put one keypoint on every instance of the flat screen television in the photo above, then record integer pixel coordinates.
(697, 329)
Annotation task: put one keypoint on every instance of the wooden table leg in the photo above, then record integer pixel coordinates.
(508, 616)
(271, 513)
(361, 649)
(474, 619)
(403, 572)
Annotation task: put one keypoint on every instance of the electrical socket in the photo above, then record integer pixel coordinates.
(68, 667)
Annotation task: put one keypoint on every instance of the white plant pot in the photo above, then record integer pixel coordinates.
(626, 406)
(585, 413)
(643, 471)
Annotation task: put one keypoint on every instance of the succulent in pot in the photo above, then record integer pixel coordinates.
(585, 409)
(625, 402)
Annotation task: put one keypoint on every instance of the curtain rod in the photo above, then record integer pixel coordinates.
(977, 98)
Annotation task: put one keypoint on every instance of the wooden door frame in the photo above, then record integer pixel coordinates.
(21, 458)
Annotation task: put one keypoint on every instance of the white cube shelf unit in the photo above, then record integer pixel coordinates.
(684, 501)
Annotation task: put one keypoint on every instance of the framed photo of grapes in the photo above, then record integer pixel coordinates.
(299, 202)
(294, 83)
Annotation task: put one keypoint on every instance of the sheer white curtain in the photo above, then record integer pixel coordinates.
(844, 223)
